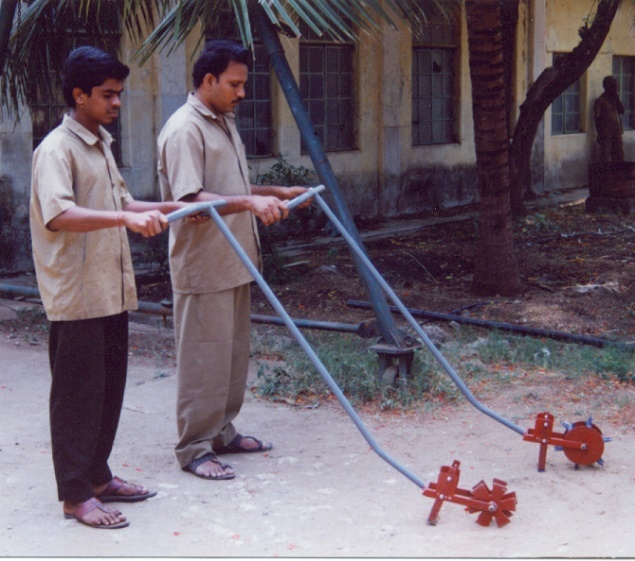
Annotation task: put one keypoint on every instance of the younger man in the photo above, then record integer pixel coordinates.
(80, 209)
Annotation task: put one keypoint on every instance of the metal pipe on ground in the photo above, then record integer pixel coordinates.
(159, 309)
(508, 327)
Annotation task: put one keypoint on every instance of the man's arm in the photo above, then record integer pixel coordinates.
(283, 193)
(269, 209)
(146, 218)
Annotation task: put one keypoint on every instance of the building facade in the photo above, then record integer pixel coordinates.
(393, 112)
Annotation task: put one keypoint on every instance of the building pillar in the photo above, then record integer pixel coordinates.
(537, 62)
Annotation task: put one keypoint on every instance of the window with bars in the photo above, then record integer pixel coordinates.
(624, 72)
(327, 88)
(254, 118)
(565, 109)
(433, 79)
(56, 38)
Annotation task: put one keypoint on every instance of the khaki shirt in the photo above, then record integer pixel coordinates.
(196, 154)
(80, 275)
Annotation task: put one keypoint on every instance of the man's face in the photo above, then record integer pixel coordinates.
(102, 106)
(226, 92)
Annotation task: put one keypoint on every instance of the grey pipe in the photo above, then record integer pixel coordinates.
(165, 311)
(413, 323)
(509, 327)
(273, 300)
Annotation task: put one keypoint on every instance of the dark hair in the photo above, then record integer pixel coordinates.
(215, 59)
(87, 67)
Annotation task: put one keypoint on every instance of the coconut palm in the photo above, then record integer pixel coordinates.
(161, 24)
(164, 24)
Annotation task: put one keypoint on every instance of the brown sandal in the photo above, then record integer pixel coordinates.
(234, 447)
(113, 492)
(87, 507)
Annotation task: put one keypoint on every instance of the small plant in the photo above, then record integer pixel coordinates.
(354, 369)
(283, 173)
(539, 223)
(301, 223)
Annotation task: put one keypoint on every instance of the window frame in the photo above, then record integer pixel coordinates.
(434, 105)
(334, 117)
(626, 87)
(567, 98)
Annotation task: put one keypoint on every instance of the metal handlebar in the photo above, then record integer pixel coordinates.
(195, 208)
(305, 196)
(204, 207)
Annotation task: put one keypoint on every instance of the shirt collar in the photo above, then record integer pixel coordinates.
(83, 133)
(199, 106)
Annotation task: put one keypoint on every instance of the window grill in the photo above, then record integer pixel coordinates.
(327, 88)
(624, 72)
(433, 78)
(565, 110)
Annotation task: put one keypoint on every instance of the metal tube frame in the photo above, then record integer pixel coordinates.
(411, 320)
(295, 331)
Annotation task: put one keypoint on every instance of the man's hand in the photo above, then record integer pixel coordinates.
(293, 192)
(268, 209)
(147, 224)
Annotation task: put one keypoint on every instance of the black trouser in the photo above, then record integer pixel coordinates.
(88, 365)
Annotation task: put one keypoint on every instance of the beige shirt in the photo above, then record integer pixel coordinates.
(80, 275)
(196, 154)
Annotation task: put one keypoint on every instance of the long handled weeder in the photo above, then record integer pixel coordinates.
(582, 442)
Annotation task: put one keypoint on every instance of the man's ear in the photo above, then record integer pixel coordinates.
(79, 96)
(209, 79)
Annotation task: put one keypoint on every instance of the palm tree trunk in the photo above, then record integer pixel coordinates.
(391, 335)
(495, 267)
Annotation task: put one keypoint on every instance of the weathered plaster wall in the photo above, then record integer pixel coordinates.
(15, 185)
(567, 156)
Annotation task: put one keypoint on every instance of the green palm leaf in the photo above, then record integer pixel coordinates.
(154, 25)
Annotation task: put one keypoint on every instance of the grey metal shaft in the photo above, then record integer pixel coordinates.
(305, 196)
(195, 208)
(320, 160)
(411, 320)
(315, 360)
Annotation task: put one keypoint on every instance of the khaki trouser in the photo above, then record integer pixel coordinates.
(212, 334)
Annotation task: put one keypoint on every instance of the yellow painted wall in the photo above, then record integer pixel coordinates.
(567, 156)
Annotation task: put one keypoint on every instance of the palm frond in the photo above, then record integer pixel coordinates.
(154, 25)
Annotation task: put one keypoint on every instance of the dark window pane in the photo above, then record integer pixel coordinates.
(326, 85)
(565, 109)
(624, 71)
(432, 96)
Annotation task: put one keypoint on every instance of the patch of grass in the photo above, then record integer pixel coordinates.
(475, 355)
(353, 367)
(571, 359)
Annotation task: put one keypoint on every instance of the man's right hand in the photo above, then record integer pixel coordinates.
(147, 224)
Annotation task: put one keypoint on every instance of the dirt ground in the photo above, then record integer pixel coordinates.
(322, 491)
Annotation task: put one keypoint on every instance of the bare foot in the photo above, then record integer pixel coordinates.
(214, 470)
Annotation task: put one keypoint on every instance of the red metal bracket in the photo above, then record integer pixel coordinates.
(582, 443)
(495, 504)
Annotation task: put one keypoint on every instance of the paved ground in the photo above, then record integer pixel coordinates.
(321, 492)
